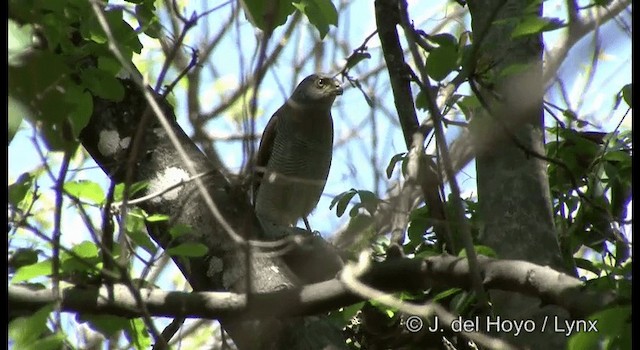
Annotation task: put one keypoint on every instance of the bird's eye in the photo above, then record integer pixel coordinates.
(320, 83)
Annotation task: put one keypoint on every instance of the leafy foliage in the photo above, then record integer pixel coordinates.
(368, 201)
(62, 55)
(268, 15)
(65, 72)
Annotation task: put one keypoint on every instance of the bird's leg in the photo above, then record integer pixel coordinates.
(306, 223)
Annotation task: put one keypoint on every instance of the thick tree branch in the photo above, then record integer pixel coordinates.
(107, 137)
(551, 286)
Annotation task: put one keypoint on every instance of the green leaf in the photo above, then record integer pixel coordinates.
(461, 302)
(620, 195)
(86, 249)
(140, 238)
(91, 30)
(446, 293)
(135, 225)
(355, 210)
(137, 334)
(109, 64)
(189, 249)
(384, 308)
(18, 190)
(26, 330)
(421, 101)
(442, 61)
(342, 200)
(158, 218)
(22, 257)
(86, 257)
(51, 342)
(427, 253)
(444, 39)
(103, 84)
(356, 58)
(392, 163)
(586, 265)
(267, 15)
(569, 114)
(612, 325)
(145, 13)
(16, 112)
(531, 25)
(134, 188)
(46, 76)
(106, 324)
(123, 33)
(419, 223)
(469, 105)
(481, 250)
(617, 156)
(179, 230)
(85, 190)
(321, 13)
(348, 312)
(28, 272)
(515, 68)
(20, 41)
(369, 201)
(626, 95)
(81, 103)
(602, 3)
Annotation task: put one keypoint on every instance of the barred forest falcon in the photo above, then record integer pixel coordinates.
(294, 157)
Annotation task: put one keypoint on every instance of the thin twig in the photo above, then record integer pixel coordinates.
(162, 118)
(530, 152)
(107, 229)
(465, 231)
(170, 330)
(57, 222)
(350, 278)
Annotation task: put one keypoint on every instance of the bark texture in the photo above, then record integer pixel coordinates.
(110, 138)
(513, 187)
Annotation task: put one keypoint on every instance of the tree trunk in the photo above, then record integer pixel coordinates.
(110, 137)
(513, 187)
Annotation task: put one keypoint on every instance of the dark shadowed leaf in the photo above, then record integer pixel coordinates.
(108, 325)
(321, 13)
(342, 200)
(612, 326)
(267, 14)
(18, 190)
(442, 61)
(392, 163)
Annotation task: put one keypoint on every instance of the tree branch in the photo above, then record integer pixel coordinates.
(551, 286)
(462, 149)
(387, 16)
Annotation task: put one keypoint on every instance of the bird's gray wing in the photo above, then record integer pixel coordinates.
(265, 149)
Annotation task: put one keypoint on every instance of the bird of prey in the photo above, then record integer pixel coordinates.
(294, 157)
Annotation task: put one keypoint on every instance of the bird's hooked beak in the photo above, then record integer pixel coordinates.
(338, 89)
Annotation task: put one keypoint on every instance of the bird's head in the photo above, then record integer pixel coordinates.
(317, 90)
